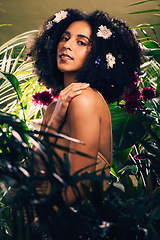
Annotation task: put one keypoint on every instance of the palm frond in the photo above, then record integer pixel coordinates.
(146, 11)
(138, 3)
(12, 62)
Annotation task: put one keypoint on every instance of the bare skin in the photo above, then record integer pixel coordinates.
(88, 119)
(83, 112)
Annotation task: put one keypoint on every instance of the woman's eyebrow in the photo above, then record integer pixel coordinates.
(79, 35)
(66, 32)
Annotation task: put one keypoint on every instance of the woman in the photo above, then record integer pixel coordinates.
(91, 59)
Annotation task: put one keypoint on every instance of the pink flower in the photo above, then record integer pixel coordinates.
(132, 97)
(140, 157)
(148, 93)
(132, 106)
(43, 98)
(133, 94)
(136, 77)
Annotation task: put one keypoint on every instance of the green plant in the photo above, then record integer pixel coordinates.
(128, 209)
(148, 34)
(104, 213)
(123, 211)
(21, 78)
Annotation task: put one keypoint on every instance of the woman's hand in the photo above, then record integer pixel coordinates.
(65, 96)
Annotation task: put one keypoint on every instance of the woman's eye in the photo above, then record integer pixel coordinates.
(81, 43)
(64, 38)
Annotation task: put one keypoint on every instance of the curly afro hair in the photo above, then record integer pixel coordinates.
(122, 45)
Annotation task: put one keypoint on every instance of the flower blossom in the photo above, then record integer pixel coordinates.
(140, 157)
(110, 59)
(49, 25)
(60, 16)
(97, 61)
(104, 32)
(148, 93)
(134, 32)
(43, 98)
(133, 94)
(136, 77)
(132, 106)
(132, 99)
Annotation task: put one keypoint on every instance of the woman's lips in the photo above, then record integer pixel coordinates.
(65, 57)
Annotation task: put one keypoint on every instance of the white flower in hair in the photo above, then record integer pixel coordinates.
(49, 25)
(111, 60)
(134, 32)
(104, 32)
(60, 16)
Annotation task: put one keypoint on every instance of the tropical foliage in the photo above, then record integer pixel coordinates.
(128, 209)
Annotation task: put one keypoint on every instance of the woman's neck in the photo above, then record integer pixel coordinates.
(69, 77)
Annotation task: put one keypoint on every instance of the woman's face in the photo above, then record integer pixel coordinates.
(74, 47)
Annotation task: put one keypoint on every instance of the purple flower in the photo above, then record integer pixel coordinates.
(148, 93)
(132, 98)
(122, 31)
(132, 94)
(98, 61)
(136, 77)
(43, 98)
(140, 157)
(132, 106)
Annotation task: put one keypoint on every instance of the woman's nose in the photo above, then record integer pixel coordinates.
(68, 44)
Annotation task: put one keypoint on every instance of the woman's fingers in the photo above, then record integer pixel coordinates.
(73, 94)
(72, 91)
(75, 87)
(65, 96)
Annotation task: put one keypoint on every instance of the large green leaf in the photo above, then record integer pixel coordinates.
(12, 61)
(134, 4)
(146, 11)
(150, 44)
(19, 40)
(154, 49)
(147, 26)
(127, 128)
(13, 80)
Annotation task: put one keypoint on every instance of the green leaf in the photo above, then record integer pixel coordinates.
(18, 40)
(114, 169)
(134, 4)
(146, 26)
(155, 54)
(132, 168)
(146, 11)
(122, 156)
(127, 128)
(67, 163)
(147, 37)
(13, 80)
(154, 49)
(130, 190)
(5, 24)
(150, 44)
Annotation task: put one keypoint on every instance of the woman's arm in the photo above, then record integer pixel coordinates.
(55, 115)
(84, 123)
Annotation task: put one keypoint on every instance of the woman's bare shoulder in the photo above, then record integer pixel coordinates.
(84, 105)
(87, 98)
